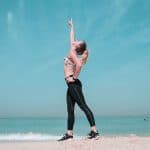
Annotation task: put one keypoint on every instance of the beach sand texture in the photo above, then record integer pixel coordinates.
(104, 143)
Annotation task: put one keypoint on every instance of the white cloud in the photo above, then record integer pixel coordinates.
(12, 22)
(10, 17)
(11, 27)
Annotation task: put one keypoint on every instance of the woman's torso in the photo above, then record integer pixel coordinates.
(69, 66)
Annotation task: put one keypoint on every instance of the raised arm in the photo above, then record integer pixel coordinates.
(72, 33)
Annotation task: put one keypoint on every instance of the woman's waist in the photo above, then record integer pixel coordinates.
(69, 69)
(71, 80)
(76, 82)
(69, 76)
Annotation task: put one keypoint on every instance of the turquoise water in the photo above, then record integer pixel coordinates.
(52, 128)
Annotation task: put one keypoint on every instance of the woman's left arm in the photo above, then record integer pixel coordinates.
(84, 57)
(78, 63)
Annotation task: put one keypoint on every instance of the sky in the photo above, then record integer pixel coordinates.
(34, 39)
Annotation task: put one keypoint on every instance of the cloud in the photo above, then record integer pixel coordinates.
(13, 23)
(12, 26)
(10, 17)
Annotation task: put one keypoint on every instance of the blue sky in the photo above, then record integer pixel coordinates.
(34, 39)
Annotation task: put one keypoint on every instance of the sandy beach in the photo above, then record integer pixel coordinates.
(104, 143)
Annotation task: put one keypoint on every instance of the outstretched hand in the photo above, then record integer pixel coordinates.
(70, 22)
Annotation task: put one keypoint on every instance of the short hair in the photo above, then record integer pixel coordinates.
(82, 48)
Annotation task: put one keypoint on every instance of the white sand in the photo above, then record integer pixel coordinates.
(104, 143)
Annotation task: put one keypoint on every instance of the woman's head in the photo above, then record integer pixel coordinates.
(80, 47)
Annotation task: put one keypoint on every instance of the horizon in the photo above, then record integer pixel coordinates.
(144, 116)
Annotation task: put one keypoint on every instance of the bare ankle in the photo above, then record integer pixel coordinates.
(93, 128)
(69, 132)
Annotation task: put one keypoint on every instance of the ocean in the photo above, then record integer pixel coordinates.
(52, 128)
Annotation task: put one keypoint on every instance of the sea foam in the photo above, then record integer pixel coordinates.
(31, 137)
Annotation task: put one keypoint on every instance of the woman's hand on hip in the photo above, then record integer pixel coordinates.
(70, 79)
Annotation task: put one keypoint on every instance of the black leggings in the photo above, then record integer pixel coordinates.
(74, 94)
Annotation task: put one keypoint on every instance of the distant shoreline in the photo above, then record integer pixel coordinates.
(40, 117)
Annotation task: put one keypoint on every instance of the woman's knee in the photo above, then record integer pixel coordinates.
(84, 108)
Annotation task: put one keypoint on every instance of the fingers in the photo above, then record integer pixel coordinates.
(70, 22)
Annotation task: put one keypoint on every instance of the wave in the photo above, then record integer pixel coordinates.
(26, 137)
(30, 137)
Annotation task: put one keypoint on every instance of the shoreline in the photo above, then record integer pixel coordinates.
(7, 139)
(104, 143)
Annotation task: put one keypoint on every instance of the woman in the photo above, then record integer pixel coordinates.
(73, 63)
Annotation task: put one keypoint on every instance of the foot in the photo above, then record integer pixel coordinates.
(66, 136)
(93, 135)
